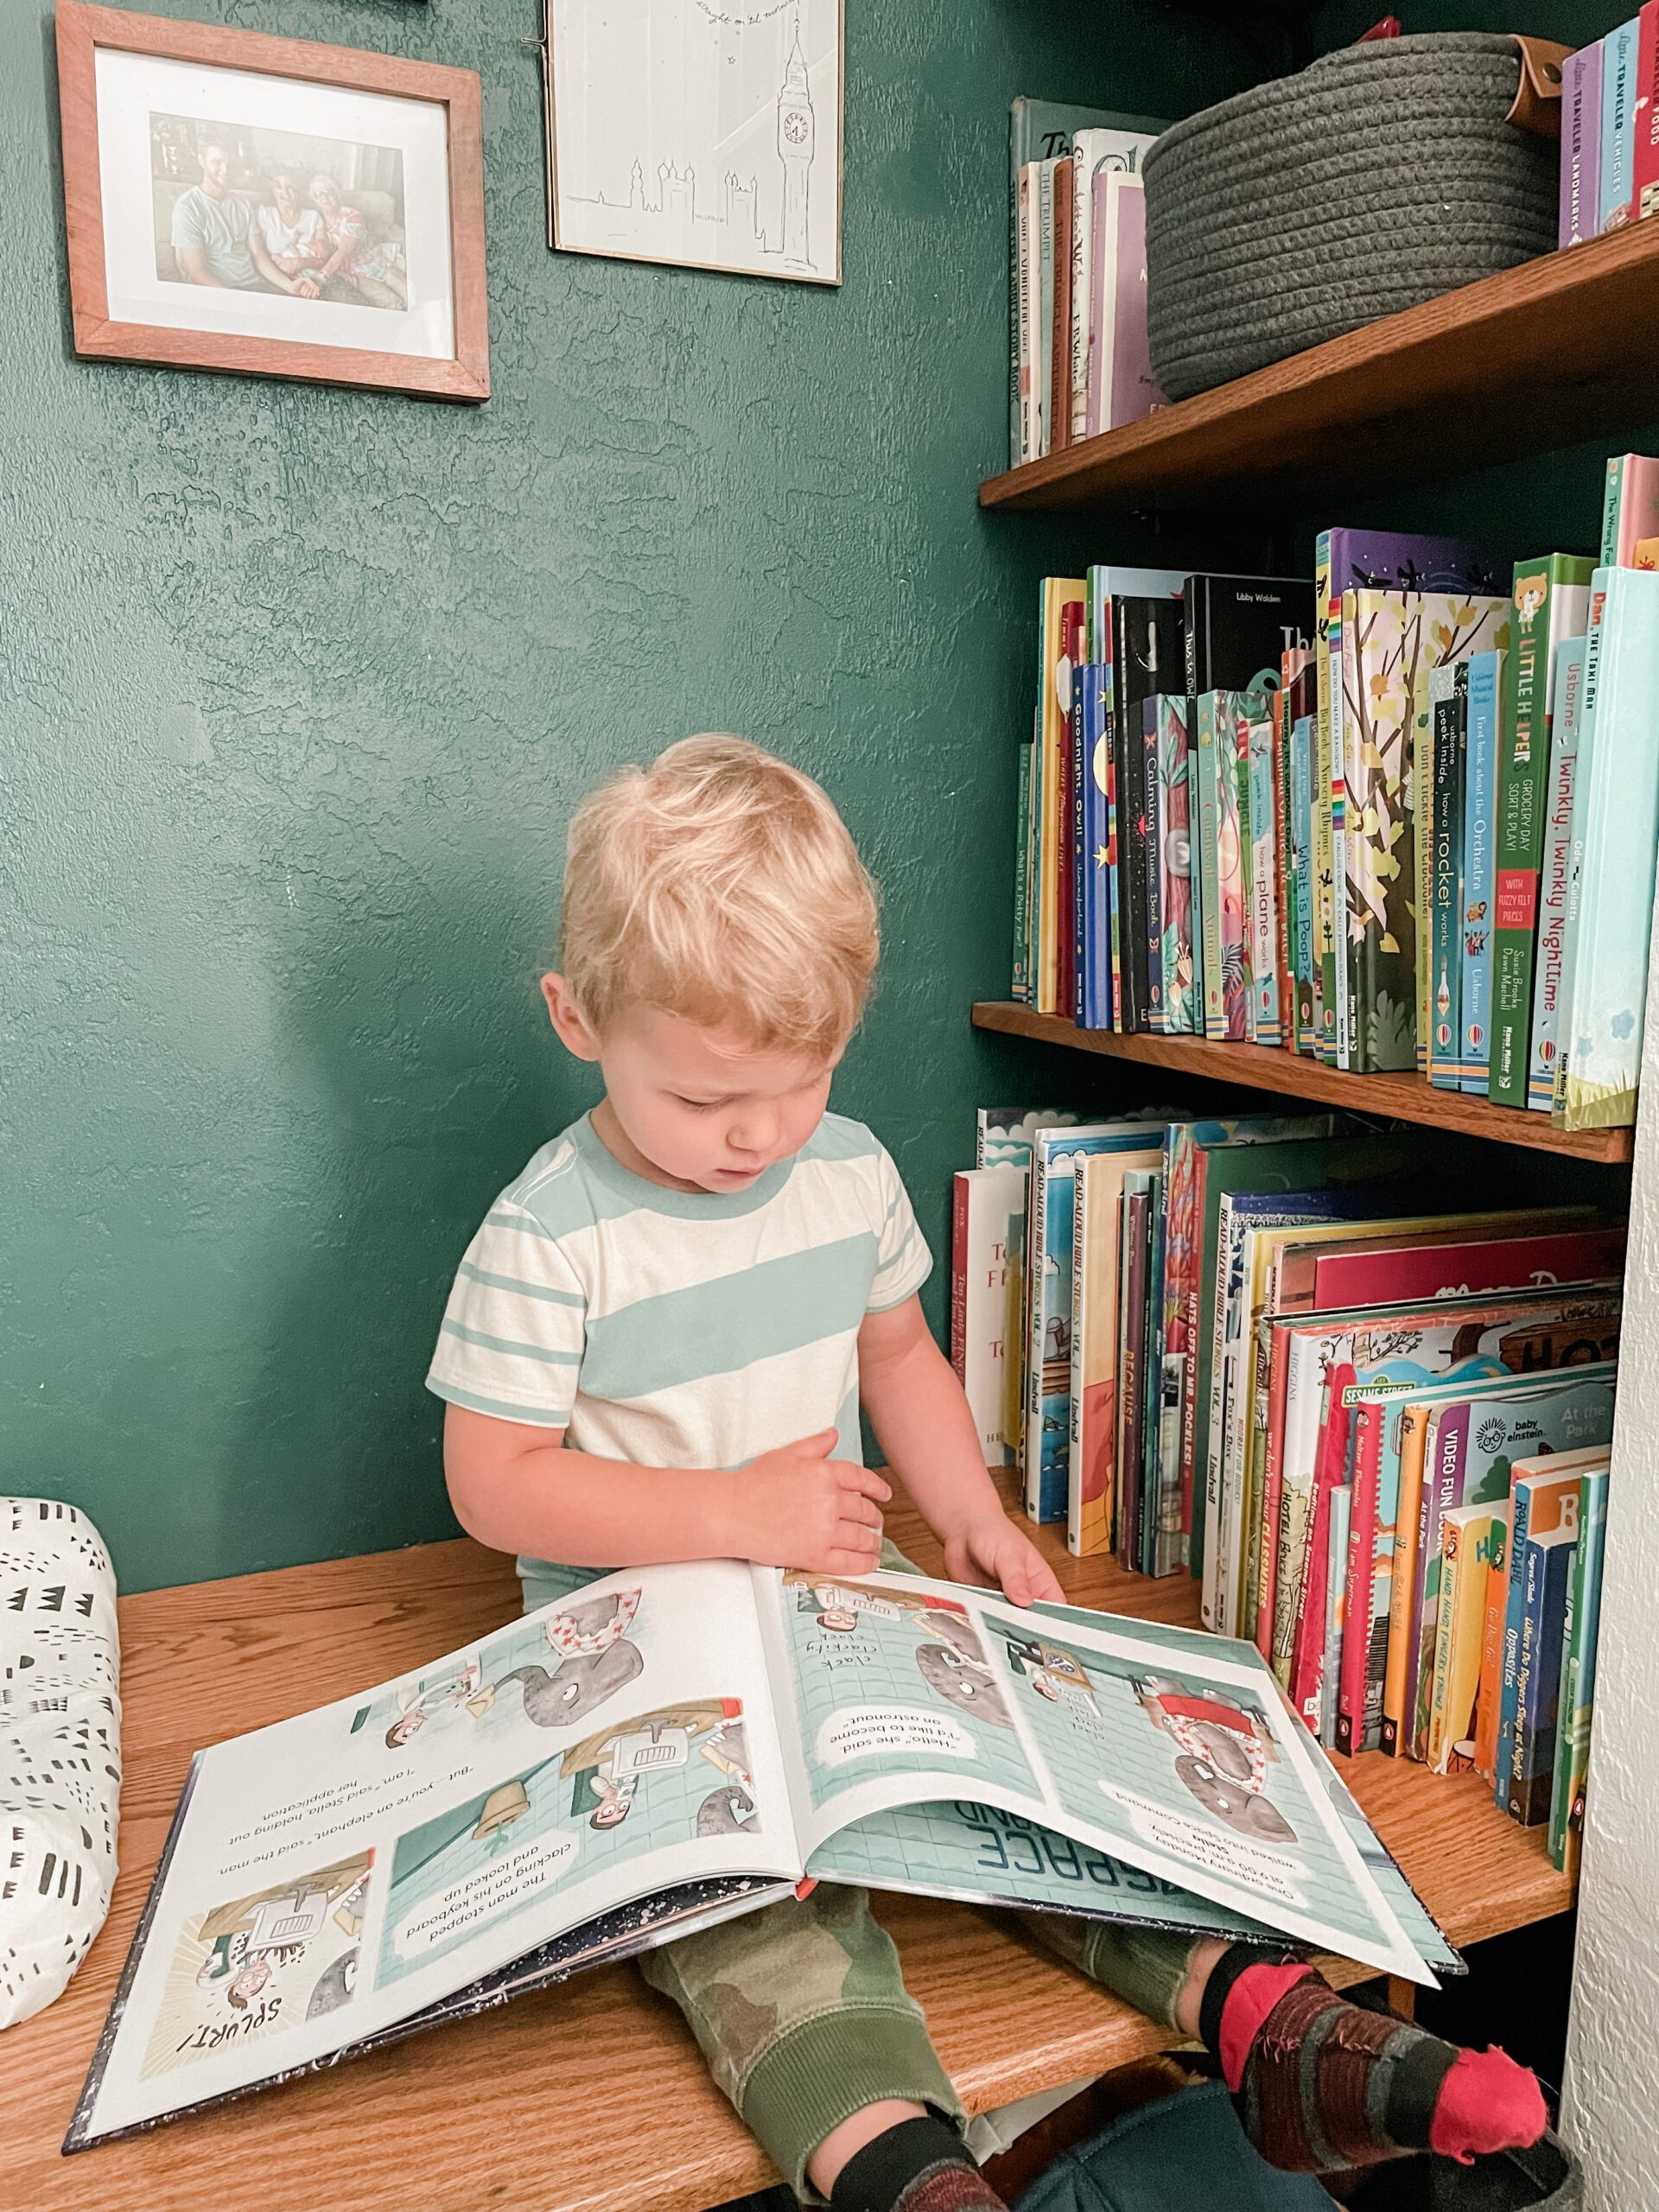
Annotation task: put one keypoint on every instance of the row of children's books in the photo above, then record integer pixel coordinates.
(1609, 129)
(1078, 362)
(1231, 1347)
(1397, 817)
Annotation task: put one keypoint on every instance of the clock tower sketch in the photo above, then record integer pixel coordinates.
(796, 130)
(703, 132)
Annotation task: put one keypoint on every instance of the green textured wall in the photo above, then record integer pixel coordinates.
(298, 688)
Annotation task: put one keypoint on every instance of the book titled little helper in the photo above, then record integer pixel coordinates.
(672, 1745)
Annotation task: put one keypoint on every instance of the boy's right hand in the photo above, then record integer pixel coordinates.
(797, 1507)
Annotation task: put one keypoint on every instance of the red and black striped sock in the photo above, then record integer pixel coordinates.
(1321, 2085)
(920, 2165)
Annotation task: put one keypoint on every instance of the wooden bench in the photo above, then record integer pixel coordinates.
(593, 2097)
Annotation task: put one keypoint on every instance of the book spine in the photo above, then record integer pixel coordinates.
(1577, 1693)
(1423, 847)
(1613, 500)
(1352, 1729)
(1561, 1765)
(1324, 967)
(1095, 848)
(1207, 856)
(1152, 1432)
(1580, 145)
(1177, 882)
(1098, 348)
(1445, 1632)
(1490, 1697)
(1413, 1432)
(1515, 1607)
(1019, 310)
(1074, 1477)
(1523, 778)
(960, 1188)
(1442, 1480)
(1188, 1203)
(1217, 1563)
(1021, 986)
(1059, 336)
(1070, 870)
(1301, 788)
(1043, 304)
(1082, 274)
(1481, 773)
(1336, 1620)
(1644, 115)
(1036, 1329)
(1619, 51)
(1265, 934)
(1307, 1649)
(1548, 1571)
(1619, 794)
(1446, 912)
(1283, 878)
(1341, 636)
(1553, 876)
(1232, 766)
(1575, 843)
(1153, 815)
(1269, 1448)
(1131, 1368)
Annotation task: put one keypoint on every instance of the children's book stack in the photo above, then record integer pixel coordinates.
(1078, 355)
(1609, 129)
(1402, 816)
(1365, 1400)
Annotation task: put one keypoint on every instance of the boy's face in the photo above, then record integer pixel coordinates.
(690, 1106)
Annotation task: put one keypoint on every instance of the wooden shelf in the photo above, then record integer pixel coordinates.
(1542, 355)
(1400, 1097)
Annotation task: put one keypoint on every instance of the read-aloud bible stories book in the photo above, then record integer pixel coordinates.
(671, 1745)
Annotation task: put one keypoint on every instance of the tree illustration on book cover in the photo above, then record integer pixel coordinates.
(1392, 635)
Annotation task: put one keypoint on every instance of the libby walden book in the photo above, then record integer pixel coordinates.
(673, 1745)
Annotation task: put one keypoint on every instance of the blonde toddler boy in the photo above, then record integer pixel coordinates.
(657, 1348)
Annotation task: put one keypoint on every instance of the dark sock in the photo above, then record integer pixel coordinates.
(921, 2166)
(1321, 2084)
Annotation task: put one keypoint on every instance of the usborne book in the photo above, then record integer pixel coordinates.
(414, 1854)
(1551, 602)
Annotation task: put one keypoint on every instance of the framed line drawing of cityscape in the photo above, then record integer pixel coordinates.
(706, 133)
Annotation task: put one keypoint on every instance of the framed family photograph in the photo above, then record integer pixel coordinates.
(270, 206)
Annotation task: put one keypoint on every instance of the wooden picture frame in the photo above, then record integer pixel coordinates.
(121, 264)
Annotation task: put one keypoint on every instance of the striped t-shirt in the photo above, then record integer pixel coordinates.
(679, 1328)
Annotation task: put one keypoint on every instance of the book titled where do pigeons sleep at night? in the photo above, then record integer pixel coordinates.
(672, 1746)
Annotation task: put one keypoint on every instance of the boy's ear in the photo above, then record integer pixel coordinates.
(570, 1023)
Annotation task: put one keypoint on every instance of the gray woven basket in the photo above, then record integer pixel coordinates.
(1381, 176)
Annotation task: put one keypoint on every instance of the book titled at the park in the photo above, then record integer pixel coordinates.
(672, 1746)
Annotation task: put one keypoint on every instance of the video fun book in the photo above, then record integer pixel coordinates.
(672, 1745)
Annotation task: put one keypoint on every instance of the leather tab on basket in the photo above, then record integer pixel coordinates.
(1537, 104)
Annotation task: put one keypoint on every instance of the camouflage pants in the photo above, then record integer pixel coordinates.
(801, 2008)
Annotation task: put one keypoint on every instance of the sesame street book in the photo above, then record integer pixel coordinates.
(673, 1745)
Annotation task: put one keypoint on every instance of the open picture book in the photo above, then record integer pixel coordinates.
(673, 1745)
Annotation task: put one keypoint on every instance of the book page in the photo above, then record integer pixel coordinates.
(1168, 1750)
(340, 1871)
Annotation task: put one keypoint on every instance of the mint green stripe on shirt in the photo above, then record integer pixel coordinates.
(540, 1353)
(720, 1327)
(520, 1289)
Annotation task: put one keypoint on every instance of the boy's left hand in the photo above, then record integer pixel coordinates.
(994, 1546)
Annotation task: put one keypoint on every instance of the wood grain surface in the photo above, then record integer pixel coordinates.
(1404, 1097)
(1544, 354)
(591, 2098)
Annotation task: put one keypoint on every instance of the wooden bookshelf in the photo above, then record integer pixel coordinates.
(1400, 1097)
(1545, 354)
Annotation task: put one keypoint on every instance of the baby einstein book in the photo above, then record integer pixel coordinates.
(673, 1745)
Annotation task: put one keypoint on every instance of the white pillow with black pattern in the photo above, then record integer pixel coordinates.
(59, 1747)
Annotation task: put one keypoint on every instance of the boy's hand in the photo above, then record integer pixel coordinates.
(797, 1507)
(994, 1546)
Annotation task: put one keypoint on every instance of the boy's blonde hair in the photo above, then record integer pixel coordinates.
(719, 884)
